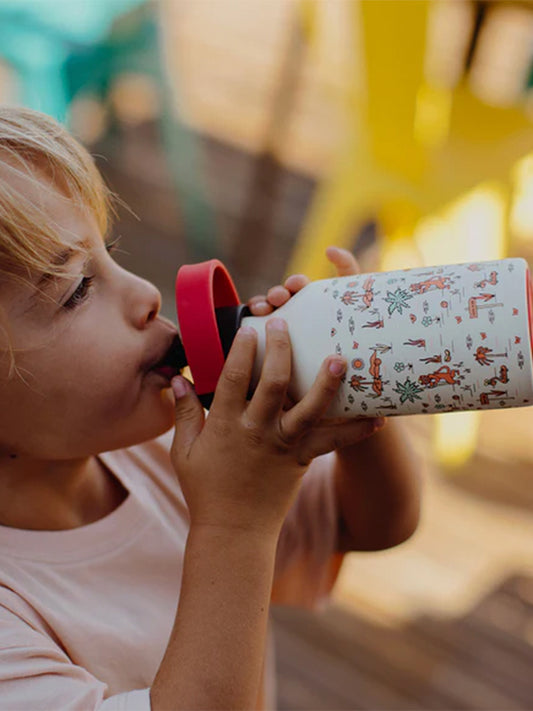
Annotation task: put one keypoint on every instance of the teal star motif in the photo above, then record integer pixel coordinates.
(407, 391)
(398, 300)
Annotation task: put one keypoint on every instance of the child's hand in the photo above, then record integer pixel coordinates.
(262, 305)
(240, 467)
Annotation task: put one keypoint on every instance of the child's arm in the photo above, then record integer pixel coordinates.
(378, 491)
(239, 471)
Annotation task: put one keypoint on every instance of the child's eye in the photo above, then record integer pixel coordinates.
(85, 284)
(80, 294)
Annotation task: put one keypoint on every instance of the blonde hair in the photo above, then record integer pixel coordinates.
(37, 147)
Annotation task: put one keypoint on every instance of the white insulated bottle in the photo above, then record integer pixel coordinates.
(424, 340)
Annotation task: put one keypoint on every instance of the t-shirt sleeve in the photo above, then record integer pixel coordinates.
(306, 560)
(37, 675)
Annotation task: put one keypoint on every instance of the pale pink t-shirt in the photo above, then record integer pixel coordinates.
(86, 614)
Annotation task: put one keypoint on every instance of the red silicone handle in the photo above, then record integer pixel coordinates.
(200, 289)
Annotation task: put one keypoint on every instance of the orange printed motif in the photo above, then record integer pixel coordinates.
(368, 298)
(503, 377)
(492, 280)
(419, 342)
(473, 307)
(421, 287)
(375, 372)
(432, 359)
(485, 356)
(484, 398)
(444, 374)
(350, 297)
(358, 383)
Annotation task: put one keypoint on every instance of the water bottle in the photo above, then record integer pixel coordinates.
(421, 340)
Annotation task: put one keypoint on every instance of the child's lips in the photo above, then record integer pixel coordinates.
(169, 361)
(167, 371)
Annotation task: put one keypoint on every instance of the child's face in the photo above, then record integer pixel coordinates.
(82, 384)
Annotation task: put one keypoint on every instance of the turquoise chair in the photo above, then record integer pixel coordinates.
(38, 38)
(61, 48)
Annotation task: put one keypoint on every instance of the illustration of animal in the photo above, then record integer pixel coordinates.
(421, 287)
(444, 374)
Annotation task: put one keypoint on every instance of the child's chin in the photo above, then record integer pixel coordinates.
(159, 416)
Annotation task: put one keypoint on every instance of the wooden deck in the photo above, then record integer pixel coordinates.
(340, 660)
(444, 621)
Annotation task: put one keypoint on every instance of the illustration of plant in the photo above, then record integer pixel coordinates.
(358, 383)
(408, 391)
(398, 300)
(349, 298)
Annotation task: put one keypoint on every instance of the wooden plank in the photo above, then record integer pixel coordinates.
(338, 677)
(416, 667)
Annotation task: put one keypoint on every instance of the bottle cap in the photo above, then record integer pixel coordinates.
(200, 289)
(529, 289)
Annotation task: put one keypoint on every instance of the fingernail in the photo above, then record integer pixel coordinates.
(337, 367)
(277, 324)
(246, 330)
(179, 387)
(377, 423)
(260, 304)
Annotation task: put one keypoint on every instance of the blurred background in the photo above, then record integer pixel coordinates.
(262, 131)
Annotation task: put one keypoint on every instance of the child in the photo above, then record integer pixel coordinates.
(141, 542)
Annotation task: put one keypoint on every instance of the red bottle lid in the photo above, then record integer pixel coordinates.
(529, 288)
(200, 289)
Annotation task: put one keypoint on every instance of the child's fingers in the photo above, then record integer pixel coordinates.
(269, 396)
(315, 403)
(259, 307)
(234, 382)
(296, 282)
(344, 261)
(327, 438)
(278, 295)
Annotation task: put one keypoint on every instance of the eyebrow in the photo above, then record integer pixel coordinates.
(59, 259)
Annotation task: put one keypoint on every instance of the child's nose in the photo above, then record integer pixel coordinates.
(147, 302)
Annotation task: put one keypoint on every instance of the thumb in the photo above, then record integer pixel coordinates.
(190, 416)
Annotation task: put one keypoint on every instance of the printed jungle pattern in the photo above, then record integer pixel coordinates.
(434, 339)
